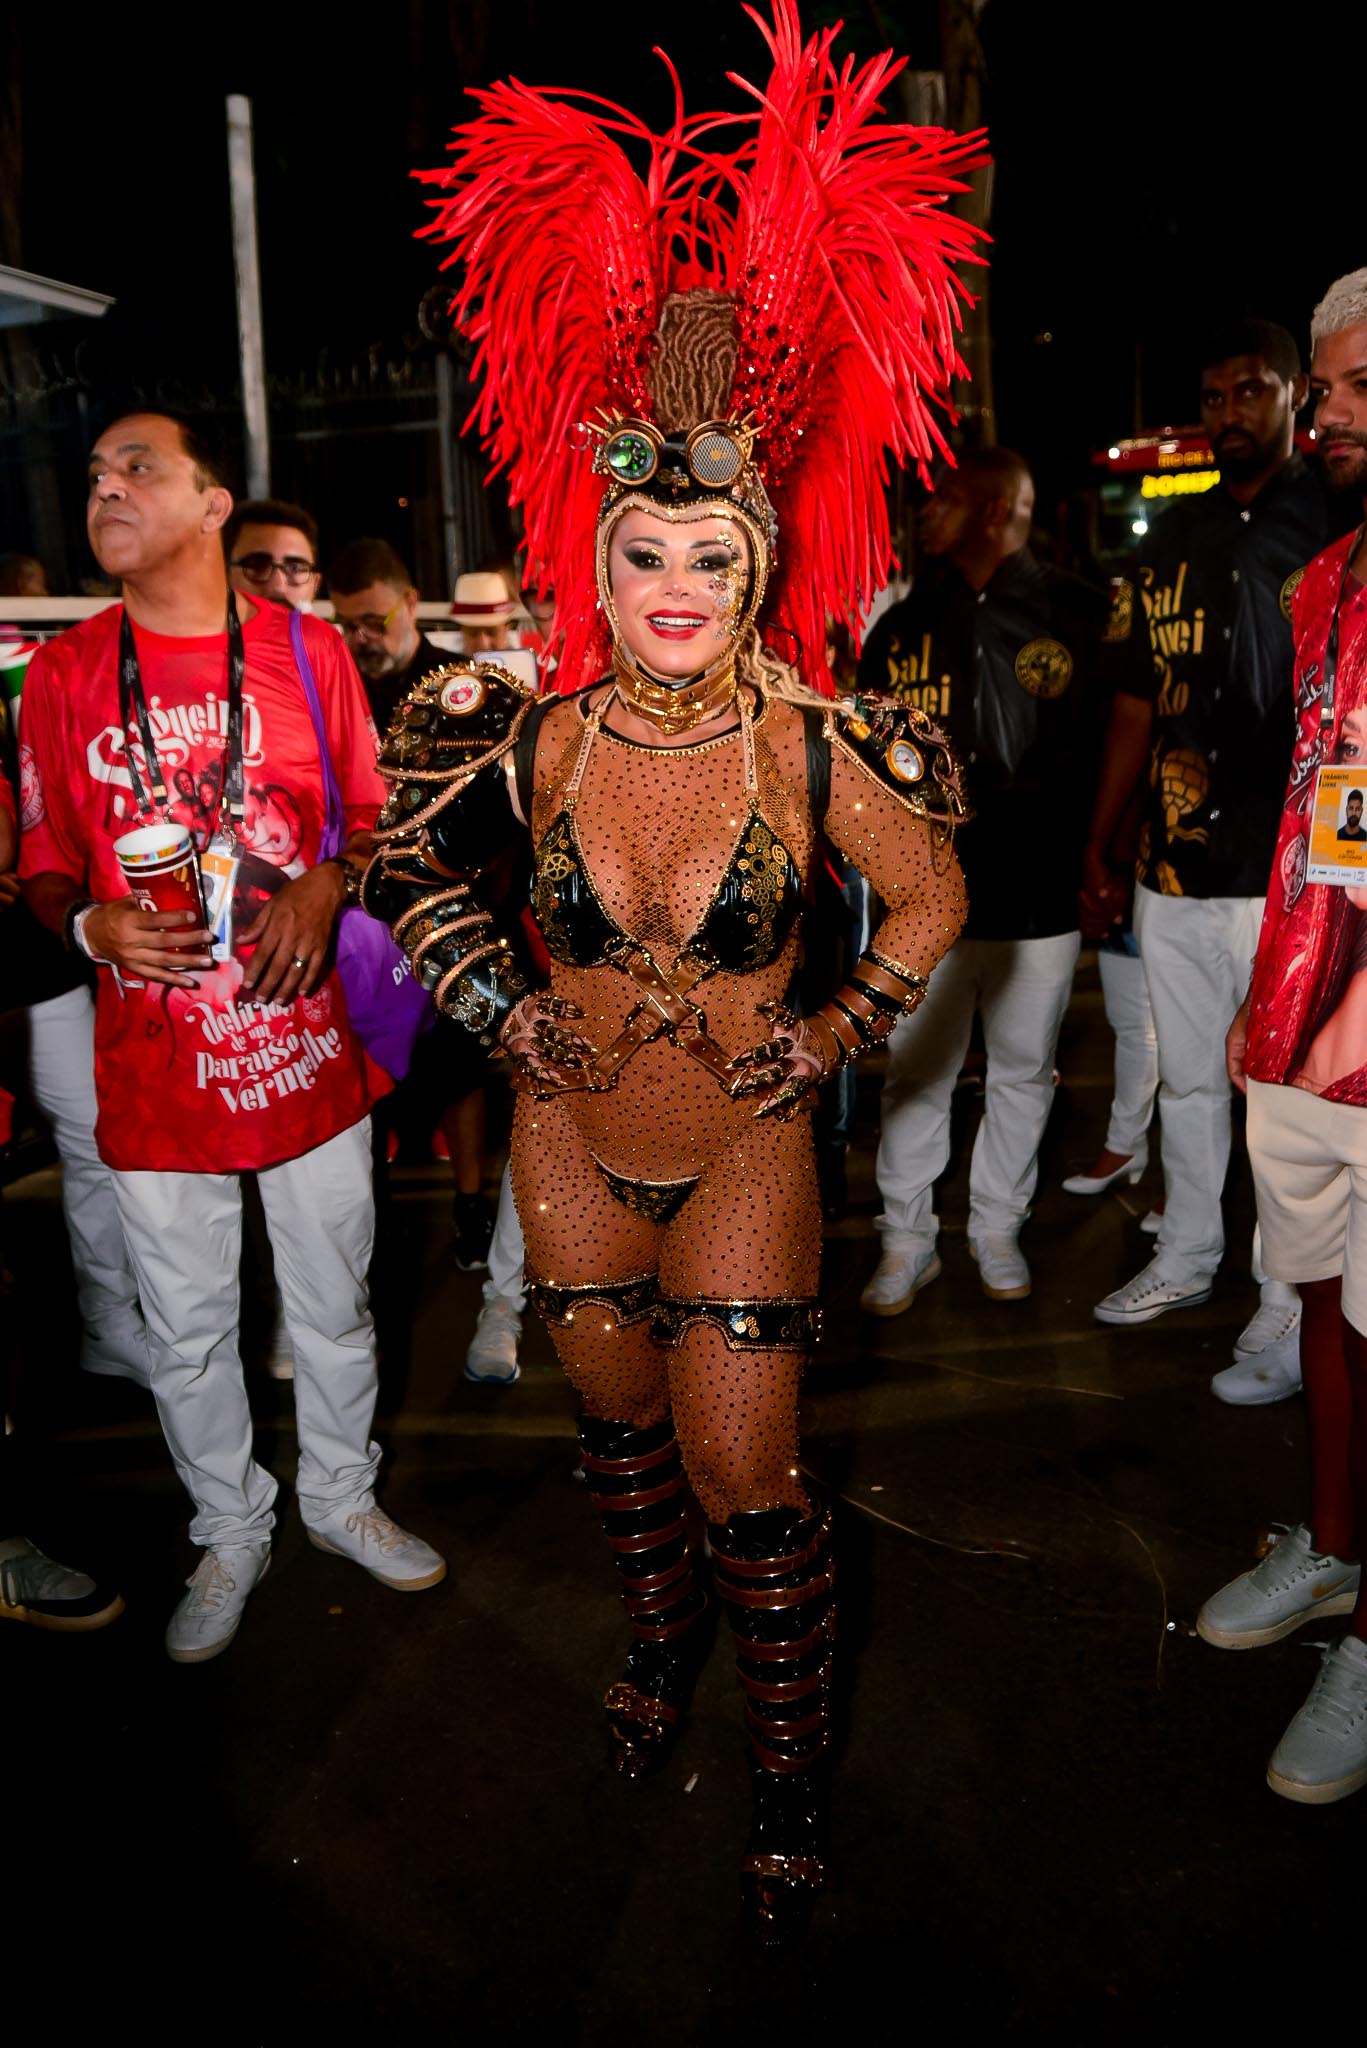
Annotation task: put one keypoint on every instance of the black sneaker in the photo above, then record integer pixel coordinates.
(473, 1217)
(48, 1595)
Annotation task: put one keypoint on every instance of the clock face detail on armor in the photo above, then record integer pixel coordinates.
(907, 762)
(1044, 667)
(462, 695)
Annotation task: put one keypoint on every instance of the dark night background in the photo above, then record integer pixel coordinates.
(1157, 167)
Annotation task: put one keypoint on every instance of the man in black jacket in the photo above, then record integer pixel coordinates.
(1016, 660)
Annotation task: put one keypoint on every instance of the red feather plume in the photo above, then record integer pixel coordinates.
(827, 225)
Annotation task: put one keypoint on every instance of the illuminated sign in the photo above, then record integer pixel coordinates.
(1185, 483)
(1172, 456)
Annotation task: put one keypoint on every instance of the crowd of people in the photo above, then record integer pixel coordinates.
(1028, 760)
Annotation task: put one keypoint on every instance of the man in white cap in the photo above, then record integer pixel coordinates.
(483, 609)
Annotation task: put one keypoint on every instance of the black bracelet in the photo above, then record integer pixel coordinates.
(69, 917)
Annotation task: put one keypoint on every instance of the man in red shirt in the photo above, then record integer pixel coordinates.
(1298, 1048)
(178, 706)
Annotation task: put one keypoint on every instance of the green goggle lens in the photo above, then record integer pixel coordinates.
(630, 457)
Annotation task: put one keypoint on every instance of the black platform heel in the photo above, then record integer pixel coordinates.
(775, 1575)
(637, 1483)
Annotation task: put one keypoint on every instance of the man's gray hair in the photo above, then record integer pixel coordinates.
(1343, 305)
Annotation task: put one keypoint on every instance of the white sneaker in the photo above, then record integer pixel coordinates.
(206, 1620)
(1001, 1268)
(1278, 1316)
(1270, 1375)
(379, 1546)
(1151, 1293)
(898, 1279)
(492, 1357)
(1292, 1585)
(1323, 1754)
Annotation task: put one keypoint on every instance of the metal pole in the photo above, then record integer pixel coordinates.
(446, 428)
(242, 187)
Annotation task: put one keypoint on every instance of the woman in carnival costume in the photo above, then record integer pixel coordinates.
(695, 371)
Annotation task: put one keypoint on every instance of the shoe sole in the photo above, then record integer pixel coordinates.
(64, 1624)
(1317, 1795)
(394, 1585)
(214, 1649)
(897, 1308)
(1253, 1400)
(493, 1379)
(1255, 1638)
(1119, 1317)
(999, 1293)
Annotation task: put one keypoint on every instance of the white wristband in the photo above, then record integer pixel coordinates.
(78, 924)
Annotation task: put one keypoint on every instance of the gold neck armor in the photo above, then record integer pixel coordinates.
(678, 709)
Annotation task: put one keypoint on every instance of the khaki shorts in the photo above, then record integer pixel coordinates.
(1309, 1160)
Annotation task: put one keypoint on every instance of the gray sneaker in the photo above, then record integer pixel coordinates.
(368, 1537)
(1323, 1754)
(1293, 1584)
(45, 1594)
(492, 1357)
(900, 1275)
(218, 1589)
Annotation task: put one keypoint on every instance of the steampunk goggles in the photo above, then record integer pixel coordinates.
(713, 454)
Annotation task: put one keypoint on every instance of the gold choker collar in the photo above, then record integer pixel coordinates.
(674, 711)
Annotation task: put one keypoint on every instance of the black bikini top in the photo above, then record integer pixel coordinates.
(747, 923)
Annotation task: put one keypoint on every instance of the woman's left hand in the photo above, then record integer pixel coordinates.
(784, 1070)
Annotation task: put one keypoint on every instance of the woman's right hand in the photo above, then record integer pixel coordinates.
(546, 1057)
(148, 945)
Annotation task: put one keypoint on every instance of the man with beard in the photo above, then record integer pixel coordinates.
(1217, 573)
(1298, 1047)
(375, 603)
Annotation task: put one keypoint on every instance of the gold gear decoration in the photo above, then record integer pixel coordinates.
(1044, 667)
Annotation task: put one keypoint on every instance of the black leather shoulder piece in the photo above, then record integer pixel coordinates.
(900, 747)
(447, 738)
(818, 763)
(524, 754)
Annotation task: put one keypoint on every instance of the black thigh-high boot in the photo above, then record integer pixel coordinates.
(637, 1483)
(775, 1573)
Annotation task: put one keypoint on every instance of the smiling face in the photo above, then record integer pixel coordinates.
(679, 589)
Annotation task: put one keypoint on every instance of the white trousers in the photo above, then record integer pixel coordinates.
(1125, 994)
(62, 1077)
(507, 1251)
(1198, 955)
(1021, 987)
(184, 1231)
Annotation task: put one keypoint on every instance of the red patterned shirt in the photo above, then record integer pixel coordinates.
(1307, 1022)
(193, 1080)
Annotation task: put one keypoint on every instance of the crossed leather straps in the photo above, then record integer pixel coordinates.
(665, 1008)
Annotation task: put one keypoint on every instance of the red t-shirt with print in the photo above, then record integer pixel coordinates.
(191, 1080)
(1307, 1024)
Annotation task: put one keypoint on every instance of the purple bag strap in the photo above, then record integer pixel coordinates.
(334, 824)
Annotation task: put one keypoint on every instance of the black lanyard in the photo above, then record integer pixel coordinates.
(1331, 652)
(133, 700)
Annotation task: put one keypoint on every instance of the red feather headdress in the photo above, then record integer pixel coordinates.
(826, 227)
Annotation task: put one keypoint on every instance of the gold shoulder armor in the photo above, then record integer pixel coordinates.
(457, 722)
(904, 750)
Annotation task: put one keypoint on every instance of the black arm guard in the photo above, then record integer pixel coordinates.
(447, 819)
(904, 751)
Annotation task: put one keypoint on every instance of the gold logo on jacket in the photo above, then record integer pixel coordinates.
(1288, 591)
(1044, 667)
(1120, 618)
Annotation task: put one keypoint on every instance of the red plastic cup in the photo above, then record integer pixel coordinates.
(170, 882)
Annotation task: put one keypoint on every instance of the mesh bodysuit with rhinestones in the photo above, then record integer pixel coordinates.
(657, 828)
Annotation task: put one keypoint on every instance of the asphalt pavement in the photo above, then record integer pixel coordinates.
(389, 1815)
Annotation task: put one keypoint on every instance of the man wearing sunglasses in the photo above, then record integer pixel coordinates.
(272, 550)
(376, 605)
